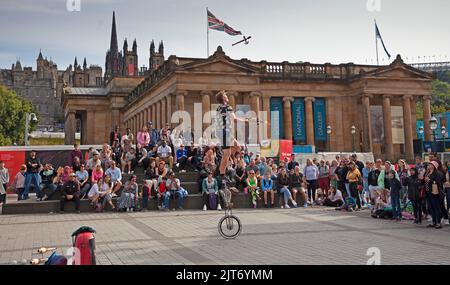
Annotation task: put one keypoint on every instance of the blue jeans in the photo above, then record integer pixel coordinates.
(286, 194)
(347, 188)
(396, 207)
(178, 194)
(35, 178)
(48, 185)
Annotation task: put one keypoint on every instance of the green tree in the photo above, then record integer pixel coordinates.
(440, 99)
(13, 111)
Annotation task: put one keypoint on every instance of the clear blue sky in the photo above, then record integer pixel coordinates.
(319, 31)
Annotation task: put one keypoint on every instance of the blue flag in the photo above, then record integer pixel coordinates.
(377, 31)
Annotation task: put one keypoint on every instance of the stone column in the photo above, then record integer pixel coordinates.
(309, 119)
(409, 147)
(158, 115)
(367, 122)
(169, 109)
(389, 147)
(70, 127)
(154, 114)
(287, 116)
(146, 116)
(413, 118)
(180, 100)
(206, 107)
(266, 108)
(232, 99)
(255, 104)
(163, 112)
(427, 117)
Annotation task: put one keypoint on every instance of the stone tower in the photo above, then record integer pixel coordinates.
(113, 57)
(156, 58)
(130, 60)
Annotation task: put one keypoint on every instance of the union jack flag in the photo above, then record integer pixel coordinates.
(215, 24)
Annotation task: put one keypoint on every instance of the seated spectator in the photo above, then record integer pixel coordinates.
(100, 192)
(161, 171)
(116, 177)
(164, 153)
(210, 188)
(143, 137)
(161, 195)
(83, 179)
(296, 182)
(57, 180)
(47, 176)
(283, 188)
(70, 193)
(173, 188)
(96, 174)
(194, 158)
(129, 198)
(182, 158)
(128, 159)
(334, 198)
(75, 153)
(292, 164)
(128, 136)
(241, 175)
(65, 176)
(267, 187)
(106, 156)
(209, 161)
(76, 164)
(93, 162)
(141, 158)
(252, 187)
(151, 177)
(154, 135)
(18, 184)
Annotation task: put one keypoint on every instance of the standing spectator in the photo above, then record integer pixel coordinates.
(143, 137)
(209, 187)
(434, 192)
(311, 174)
(116, 177)
(358, 163)
(70, 193)
(173, 188)
(18, 184)
(33, 166)
(164, 153)
(116, 152)
(129, 198)
(283, 188)
(114, 135)
(365, 179)
(403, 172)
(267, 188)
(396, 188)
(333, 167)
(324, 177)
(76, 152)
(415, 193)
(341, 175)
(154, 135)
(373, 179)
(83, 178)
(353, 177)
(4, 180)
(293, 163)
(47, 176)
(145, 194)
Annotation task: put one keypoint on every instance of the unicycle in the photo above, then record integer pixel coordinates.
(229, 226)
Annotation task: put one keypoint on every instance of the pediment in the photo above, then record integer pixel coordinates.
(398, 69)
(220, 66)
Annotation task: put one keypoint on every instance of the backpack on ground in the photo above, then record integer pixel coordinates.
(212, 201)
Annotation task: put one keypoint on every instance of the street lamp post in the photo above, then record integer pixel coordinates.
(353, 131)
(329, 138)
(433, 127)
(444, 132)
(421, 132)
(28, 118)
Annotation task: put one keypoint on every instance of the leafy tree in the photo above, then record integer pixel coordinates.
(440, 99)
(13, 111)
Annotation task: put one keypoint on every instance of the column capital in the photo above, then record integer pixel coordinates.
(182, 93)
(206, 93)
(426, 97)
(387, 96)
(232, 93)
(366, 95)
(288, 99)
(407, 97)
(311, 99)
(255, 93)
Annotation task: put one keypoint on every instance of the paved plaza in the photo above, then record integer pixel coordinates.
(295, 236)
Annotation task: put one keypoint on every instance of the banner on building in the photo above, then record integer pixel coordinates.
(131, 70)
(13, 160)
(398, 131)
(277, 124)
(320, 120)
(298, 119)
(285, 149)
(377, 124)
(272, 150)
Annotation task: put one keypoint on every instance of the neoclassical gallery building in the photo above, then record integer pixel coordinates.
(318, 104)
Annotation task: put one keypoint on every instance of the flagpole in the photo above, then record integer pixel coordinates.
(376, 42)
(207, 33)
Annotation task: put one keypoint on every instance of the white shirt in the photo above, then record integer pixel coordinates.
(164, 151)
